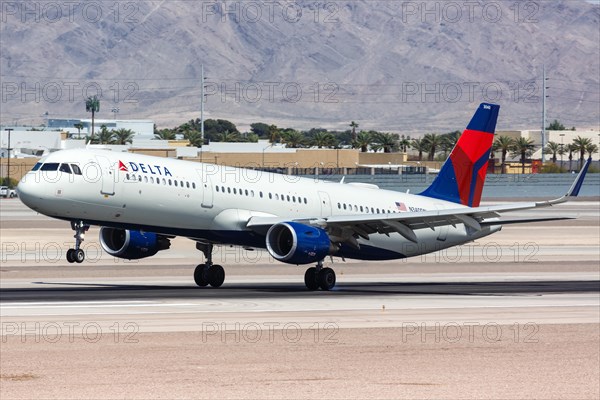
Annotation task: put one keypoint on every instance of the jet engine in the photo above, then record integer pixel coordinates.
(132, 245)
(295, 243)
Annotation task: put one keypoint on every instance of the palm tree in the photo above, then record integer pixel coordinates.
(571, 148)
(79, 127)
(553, 148)
(503, 144)
(363, 140)
(523, 147)
(105, 136)
(387, 141)
(581, 145)
(123, 136)
(449, 141)
(165, 134)
(293, 138)
(92, 104)
(432, 141)
(591, 149)
(193, 136)
(404, 143)
(228, 137)
(274, 133)
(353, 125)
(323, 139)
(420, 146)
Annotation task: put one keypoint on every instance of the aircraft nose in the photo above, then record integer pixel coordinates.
(28, 191)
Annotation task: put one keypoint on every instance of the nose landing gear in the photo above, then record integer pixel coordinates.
(77, 255)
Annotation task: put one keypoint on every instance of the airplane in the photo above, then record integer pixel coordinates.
(142, 202)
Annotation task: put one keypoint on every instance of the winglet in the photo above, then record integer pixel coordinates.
(573, 190)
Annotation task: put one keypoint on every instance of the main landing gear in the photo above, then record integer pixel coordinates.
(319, 277)
(77, 254)
(208, 273)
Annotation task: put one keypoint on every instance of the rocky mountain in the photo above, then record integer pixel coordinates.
(392, 65)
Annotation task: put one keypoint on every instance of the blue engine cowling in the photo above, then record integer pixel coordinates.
(296, 243)
(132, 245)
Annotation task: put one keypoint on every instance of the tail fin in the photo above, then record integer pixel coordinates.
(462, 176)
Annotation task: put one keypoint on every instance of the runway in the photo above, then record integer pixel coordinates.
(515, 315)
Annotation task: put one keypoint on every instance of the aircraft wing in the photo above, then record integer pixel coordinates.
(346, 227)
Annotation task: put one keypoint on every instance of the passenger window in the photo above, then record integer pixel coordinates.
(139, 178)
(170, 183)
(187, 185)
(36, 167)
(217, 188)
(193, 185)
(175, 182)
(181, 182)
(246, 191)
(270, 196)
(49, 167)
(146, 179)
(234, 191)
(261, 195)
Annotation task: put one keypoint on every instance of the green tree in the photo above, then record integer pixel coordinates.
(165, 134)
(553, 148)
(123, 136)
(363, 141)
(194, 137)
(274, 133)
(387, 141)
(504, 144)
(404, 143)
(261, 129)
(555, 126)
(433, 142)
(92, 104)
(591, 149)
(79, 127)
(571, 148)
(104, 136)
(293, 139)
(420, 146)
(523, 147)
(581, 145)
(228, 137)
(449, 141)
(323, 139)
(353, 125)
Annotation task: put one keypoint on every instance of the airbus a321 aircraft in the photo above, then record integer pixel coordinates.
(142, 202)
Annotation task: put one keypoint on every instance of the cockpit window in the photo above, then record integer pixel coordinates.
(76, 169)
(49, 167)
(65, 168)
(36, 166)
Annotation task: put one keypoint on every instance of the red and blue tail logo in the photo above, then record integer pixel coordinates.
(462, 176)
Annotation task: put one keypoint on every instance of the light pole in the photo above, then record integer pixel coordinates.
(9, 130)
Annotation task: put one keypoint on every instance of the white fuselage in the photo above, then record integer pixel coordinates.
(214, 203)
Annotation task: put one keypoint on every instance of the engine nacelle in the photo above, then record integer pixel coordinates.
(296, 243)
(132, 245)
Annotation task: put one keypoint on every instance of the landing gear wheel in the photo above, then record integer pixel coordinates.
(78, 256)
(70, 255)
(200, 275)
(310, 279)
(216, 276)
(326, 278)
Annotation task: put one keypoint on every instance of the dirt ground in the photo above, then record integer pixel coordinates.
(443, 362)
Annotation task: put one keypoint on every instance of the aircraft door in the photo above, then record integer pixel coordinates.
(206, 185)
(108, 176)
(325, 204)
